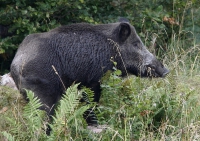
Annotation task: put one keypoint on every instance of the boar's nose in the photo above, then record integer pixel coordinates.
(165, 72)
(161, 71)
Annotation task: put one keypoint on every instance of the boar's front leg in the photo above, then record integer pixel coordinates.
(89, 115)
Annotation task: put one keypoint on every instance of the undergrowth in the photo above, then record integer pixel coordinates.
(133, 108)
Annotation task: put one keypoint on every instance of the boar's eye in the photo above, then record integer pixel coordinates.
(136, 44)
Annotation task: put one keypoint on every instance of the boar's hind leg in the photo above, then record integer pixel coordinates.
(89, 115)
(44, 90)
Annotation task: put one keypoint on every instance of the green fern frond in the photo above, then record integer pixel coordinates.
(87, 95)
(78, 113)
(34, 117)
(68, 114)
(68, 104)
(69, 101)
(33, 106)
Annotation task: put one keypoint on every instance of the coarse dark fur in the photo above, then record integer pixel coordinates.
(80, 53)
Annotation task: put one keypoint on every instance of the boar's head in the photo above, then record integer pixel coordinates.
(135, 56)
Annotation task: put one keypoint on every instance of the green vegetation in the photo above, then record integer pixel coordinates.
(158, 22)
(133, 108)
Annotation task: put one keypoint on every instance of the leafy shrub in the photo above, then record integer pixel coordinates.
(32, 120)
(133, 109)
(32, 123)
(138, 108)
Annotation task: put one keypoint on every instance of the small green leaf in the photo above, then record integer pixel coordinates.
(24, 12)
(82, 1)
(47, 15)
(118, 72)
(115, 63)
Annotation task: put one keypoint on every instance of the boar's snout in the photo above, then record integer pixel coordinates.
(165, 71)
(154, 68)
(157, 70)
(161, 71)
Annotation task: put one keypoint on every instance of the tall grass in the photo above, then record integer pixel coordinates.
(133, 108)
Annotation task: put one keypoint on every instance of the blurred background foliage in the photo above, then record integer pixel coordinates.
(157, 22)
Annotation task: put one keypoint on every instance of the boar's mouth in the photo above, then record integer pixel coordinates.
(150, 71)
(159, 71)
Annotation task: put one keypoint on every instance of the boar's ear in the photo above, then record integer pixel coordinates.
(124, 31)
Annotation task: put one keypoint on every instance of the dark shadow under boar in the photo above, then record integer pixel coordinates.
(80, 53)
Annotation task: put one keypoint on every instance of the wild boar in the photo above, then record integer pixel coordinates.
(80, 53)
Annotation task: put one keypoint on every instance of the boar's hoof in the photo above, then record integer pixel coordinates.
(97, 129)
